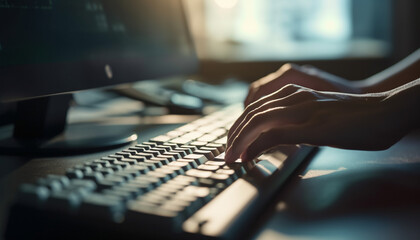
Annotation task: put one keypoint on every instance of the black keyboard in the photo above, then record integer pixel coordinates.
(176, 185)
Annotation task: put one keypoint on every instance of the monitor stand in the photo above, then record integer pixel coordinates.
(41, 129)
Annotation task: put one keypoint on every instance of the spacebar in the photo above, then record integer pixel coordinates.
(216, 216)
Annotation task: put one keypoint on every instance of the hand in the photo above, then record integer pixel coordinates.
(306, 76)
(300, 115)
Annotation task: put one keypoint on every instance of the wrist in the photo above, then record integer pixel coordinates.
(403, 106)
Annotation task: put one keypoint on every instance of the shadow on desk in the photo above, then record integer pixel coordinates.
(345, 194)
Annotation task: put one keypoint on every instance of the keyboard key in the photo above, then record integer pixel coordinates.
(116, 180)
(180, 141)
(74, 173)
(218, 132)
(199, 192)
(93, 166)
(102, 162)
(184, 165)
(174, 134)
(170, 173)
(173, 154)
(157, 164)
(180, 152)
(151, 144)
(192, 136)
(170, 187)
(85, 185)
(142, 186)
(137, 158)
(123, 165)
(208, 167)
(140, 169)
(116, 167)
(143, 147)
(150, 166)
(145, 155)
(207, 138)
(52, 184)
(110, 160)
(206, 182)
(94, 176)
(115, 156)
(153, 218)
(172, 145)
(103, 206)
(199, 144)
(159, 175)
(33, 195)
(222, 178)
(187, 180)
(106, 171)
(198, 173)
(219, 147)
(84, 169)
(155, 198)
(124, 195)
(106, 184)
(186, 150)
(190, 162)
(64, 201)
(169, 158)
(164, 147)
(161, 139)
(226, 171)
(198, 157)
(130, 151)
(162, 160)
(159, 149)
(153, 152)
(220, 157)
(222, 141)
(123, 154)
(129, 161)
(178, 170)
(191, 147)
(134, 191)
(214, 151)
(151, 180)
(216, 163)
(208, 154)
(139, 149)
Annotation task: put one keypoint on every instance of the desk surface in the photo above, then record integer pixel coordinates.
(339, 194)
(343, 194)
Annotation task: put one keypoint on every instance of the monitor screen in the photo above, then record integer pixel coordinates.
(51, 46)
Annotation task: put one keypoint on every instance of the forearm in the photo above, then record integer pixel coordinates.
(404, 105)
(397, 75)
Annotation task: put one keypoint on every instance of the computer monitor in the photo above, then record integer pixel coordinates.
(50, 48)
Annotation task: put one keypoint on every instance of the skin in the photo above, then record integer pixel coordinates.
(309, 106)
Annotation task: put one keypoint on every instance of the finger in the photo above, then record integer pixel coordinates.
(281, 93)
(273, 81)
(301, 96)
(262, 122)
(254, 87)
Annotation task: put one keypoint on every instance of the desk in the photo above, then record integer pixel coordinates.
(343, 194)
(339, 194)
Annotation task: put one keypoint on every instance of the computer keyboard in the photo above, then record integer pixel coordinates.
(176, 185)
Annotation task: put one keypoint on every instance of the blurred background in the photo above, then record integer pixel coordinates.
(351, 38)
